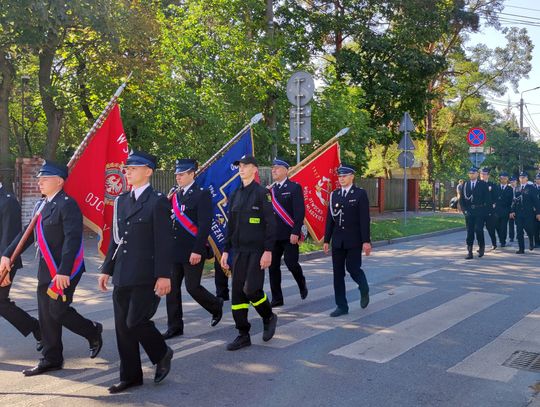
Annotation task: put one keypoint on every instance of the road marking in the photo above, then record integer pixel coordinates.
(394, 341)
(304, 328)
(77, 387)
(486, 362)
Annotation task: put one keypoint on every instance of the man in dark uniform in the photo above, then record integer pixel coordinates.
(511, 221)
(10, 226)
(537, 230)
(192, 219)
(490, 215)
(505, 197)
(526, 211)
(59, 237)
(473, 203)
(250, 235)
(221, 280)
(348, 227)
(139, 260)
(289, 210)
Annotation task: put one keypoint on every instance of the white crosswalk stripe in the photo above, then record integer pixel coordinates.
(304, 328)
(486, 363)
(394, 341)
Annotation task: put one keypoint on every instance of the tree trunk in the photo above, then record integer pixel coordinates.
(7, 72)
(270, 105)
(52, 113)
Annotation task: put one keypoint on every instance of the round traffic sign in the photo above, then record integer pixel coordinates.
(406, 159)
(300, 88)
(476, 137)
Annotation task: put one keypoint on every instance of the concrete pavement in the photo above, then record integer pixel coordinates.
(436, 333)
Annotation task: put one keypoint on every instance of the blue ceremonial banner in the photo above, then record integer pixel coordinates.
(221, 178)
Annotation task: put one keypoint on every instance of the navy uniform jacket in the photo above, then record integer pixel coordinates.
(493, 194)
(352, 228)
(504, 201)
(10, 221)
(526, 204)
(479, 198)
(63, 230)
(197, 207)
(291, 198)
(145, 227)
(251, 224)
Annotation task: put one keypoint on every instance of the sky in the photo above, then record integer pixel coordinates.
(526, 12)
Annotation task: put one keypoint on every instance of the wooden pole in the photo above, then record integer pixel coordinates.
(76, 155)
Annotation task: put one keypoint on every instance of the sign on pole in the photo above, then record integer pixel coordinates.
(406, 158)
(300, 89)
(476, 137)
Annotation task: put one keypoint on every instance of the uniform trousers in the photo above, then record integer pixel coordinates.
(290, 254)
(134, 306)
(55, 314)
(192, 275)
(352, 260)
(247, 287)
(491, 223)
(475, 226)
(16, 316)
(502, 227)
(525, 223)
(221, 280)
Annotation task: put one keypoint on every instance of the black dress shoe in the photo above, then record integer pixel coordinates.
(364, 300)
(276, 303)
(217, 316)
(171, 333)
(303, 292)
(123, 386)
(494, 247)
(338, 312)
(163, 367)
(97, 343)
(269, 328)
(42, 367)
(503, 244)
(37, 336)
(241, 341)
(481, 252)
(520, 252)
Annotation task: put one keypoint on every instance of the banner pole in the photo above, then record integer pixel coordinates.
(78, 152)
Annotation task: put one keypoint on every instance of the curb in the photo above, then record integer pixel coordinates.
(319, 253)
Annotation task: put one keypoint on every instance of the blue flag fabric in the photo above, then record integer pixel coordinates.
(221, 178)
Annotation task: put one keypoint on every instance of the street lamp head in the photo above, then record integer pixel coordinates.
(528, 90)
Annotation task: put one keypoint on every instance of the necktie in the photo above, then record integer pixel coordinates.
(343, 192)
(181, 192)
(133, 199)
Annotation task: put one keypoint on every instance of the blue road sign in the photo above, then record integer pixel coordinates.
(476, 137)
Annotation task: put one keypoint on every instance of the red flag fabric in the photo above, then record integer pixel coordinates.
(97, 179)
(318, 179)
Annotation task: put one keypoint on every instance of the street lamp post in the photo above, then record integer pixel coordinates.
(521, 108)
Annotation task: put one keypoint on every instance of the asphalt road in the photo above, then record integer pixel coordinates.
(436, 333)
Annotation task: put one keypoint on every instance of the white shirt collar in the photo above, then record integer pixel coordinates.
(280, 184)
(138, 191)
(186, 188)
(347, 189)
(52, 197)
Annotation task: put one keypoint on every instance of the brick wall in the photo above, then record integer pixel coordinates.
(26, 185)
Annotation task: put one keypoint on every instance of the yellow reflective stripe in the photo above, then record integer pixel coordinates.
(255, 220)
(263, 299)
(239, 306)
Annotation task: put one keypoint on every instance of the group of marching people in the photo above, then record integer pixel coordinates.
(158, 241)
(500, 208)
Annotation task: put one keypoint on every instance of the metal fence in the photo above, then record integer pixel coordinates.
(393, 194)
(163, 180)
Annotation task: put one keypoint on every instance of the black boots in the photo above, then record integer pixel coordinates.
(469, 253)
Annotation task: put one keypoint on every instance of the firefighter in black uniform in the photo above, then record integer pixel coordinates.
(348, 227)
(473, 204)
(10, 226)
(192, 218)
(526, 211)
(490, 219)
(59, 235)
(511, 221)
(289, 210)
(505, 197)
(250, 235)
(139, 259)
(537, 230)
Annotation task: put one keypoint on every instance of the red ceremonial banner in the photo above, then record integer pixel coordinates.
(318, 179)
(97, 179)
